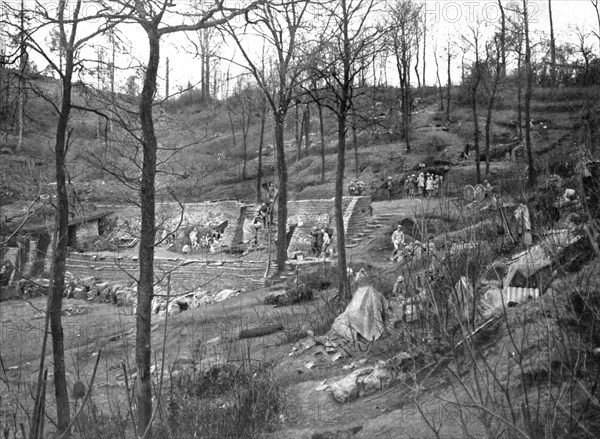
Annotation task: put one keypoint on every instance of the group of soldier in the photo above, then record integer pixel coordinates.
(356, 188)
(423, 185)
(210, 241)
(321, 241)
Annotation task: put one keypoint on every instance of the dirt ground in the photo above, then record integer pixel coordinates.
(210, 334)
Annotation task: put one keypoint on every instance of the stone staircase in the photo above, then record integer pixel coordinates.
(364, 228)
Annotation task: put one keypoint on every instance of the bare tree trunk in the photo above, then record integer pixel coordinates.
(112, 80)
(552, 48)
(297, 133)
(491, 100)
(232, 127)
(322, 131)
(502, 38)
(147, 237)
(424, 44)
(279, 120)
(355, 142)
(407, 112)
(474, 87)
(245, 128)
(528, 86)
(596, 5)
(339, 213)
(416, 66)
(519, 96)
(344, 100)
(259, 172)
(449, 83)
(203, 85)
(21, 82)
(307, 127)
(476, 133)
(207, 93)
(98, 85)
(439, 81)
(167, 80)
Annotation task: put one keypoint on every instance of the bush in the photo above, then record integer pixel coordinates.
(226, 401)
(310, 281)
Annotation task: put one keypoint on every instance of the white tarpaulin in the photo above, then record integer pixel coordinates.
(364, 315)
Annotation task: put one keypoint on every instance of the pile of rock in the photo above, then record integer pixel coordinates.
(93, 289)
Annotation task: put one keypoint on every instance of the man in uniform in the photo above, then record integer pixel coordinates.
(398, 241)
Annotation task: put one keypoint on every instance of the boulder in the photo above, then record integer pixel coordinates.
(80, 293)
(125, 297)
(379, 379)
(93, 294)
(197, 298)
(279, 297)
(178, 305)
(347, 388)
(224, 295)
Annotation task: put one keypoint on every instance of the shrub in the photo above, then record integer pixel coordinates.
(226, 401)
(307, 282)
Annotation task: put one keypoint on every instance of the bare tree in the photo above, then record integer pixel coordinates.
(424, 43)
(473, 42)
(403, 27)
(495, 68)
(531, 172)
(153, 17)
(449, 56)
(243, 103)
(262, 114)
(437, 74)
(552, 47)
(349, 43)
(515, 39)
(67, 22)
(207, 46)
(280, 25)
(596, 5)
(315, 92)
(22, 70)
(584, 49)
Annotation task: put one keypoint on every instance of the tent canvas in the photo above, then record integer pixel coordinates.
(364, 315)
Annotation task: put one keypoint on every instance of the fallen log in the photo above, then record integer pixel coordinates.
(260, 331)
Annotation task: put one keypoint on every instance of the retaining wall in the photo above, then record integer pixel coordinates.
(305, 213)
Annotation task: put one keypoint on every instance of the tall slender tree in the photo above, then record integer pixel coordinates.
(154, 18)
(596, 32)
(495, 68)
(403, 27)
(449, 56)
(552, 47)
(349, 43)
(280, 24)
(531, 171)
(22, 72)
(473, 41)
(66, 20)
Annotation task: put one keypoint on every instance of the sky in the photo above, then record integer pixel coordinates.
(446, 19)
